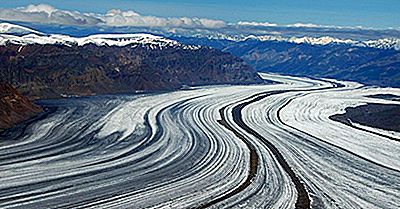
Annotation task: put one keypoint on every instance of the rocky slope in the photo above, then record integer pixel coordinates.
(14, 107)
(50, 66)
(382, 116)
(370, 62)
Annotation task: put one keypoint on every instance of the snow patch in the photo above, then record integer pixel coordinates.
(16, 29)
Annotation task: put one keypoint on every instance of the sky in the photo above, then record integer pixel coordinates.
(366, 13)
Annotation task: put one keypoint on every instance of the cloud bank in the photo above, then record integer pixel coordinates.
(256, 24)
(43, 13)
(117, 18)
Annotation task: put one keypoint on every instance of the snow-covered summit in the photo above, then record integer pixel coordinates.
(325, 40)
(9, 28)
(16, 34)
(149, 40)
(384, 43)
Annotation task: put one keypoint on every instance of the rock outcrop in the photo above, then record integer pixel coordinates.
(14, 107)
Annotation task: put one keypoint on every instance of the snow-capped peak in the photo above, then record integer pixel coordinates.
(149, 40)
(385, 43)
(9, 28)
(325, 40)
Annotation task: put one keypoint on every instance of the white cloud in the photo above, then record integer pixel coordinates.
(130, 18)
(39, 8)
(263, 24)
(43, 13)
(47, 14)
(304, 25)
(295, 25)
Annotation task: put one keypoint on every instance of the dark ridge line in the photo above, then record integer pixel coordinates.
(362, 129)
(107, 198)
(82, 175)
(303, 199)
(253, 156)
(46, 147)
(253, 163)
(41, 149)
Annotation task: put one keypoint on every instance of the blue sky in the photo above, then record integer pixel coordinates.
(368, 13)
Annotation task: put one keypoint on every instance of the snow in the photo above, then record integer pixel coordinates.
(384, 43)
(15, 29)
(100, 40)
(325, 40)
(36, 37)
(168, 150)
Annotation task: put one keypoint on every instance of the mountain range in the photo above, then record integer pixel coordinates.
(373, 62)
(369, 61)
(41, 65)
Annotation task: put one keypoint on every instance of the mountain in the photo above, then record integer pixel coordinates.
(98, 40)
(14, 107)
(51, 66)
(211, 40)
(372, 62)
(241, 29)
(8, 28)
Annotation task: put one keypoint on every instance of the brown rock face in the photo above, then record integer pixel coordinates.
(47, 71)
(14, 107)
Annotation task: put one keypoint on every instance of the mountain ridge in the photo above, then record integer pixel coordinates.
(383, 43)
(9, 28)
(367, 65)
(52, 70)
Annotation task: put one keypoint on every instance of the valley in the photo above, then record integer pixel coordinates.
(224, 146)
